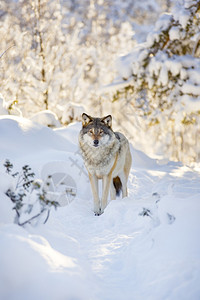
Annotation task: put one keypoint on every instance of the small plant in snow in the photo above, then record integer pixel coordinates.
(29, 196)
(145, 213)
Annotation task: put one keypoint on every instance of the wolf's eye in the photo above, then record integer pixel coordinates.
(101, 132)
(90, 131)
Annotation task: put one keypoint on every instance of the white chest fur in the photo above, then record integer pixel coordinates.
(99, 160)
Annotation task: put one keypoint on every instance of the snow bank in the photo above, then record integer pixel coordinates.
(20, 138)
(46, 118)
(32, 269)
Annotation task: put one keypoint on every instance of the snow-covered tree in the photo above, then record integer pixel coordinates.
(160, 80)
(35, 30)
(64, 50)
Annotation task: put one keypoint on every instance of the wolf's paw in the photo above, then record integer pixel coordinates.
(98, 212)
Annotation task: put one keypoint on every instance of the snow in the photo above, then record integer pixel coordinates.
(123, 66)
(72, 112)
(189, 103)
(145, 246)
(163, 22)
(181, 15)
(190, 88)
(47, 118)
(3, 110)
(163, 78)
(174, 33)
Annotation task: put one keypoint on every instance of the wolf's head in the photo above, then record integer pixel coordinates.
(96, 131)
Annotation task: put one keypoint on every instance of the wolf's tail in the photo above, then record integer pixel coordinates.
(117, 184)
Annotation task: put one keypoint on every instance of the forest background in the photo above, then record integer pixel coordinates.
(137, 60)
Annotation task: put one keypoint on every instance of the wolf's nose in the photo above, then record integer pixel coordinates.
(96, 142)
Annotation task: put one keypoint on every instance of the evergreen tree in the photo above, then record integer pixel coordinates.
(161, 81)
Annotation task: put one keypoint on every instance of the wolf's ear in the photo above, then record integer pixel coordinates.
(86, 119)
(107, 121)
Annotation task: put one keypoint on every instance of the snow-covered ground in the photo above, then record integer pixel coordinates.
(146, 246)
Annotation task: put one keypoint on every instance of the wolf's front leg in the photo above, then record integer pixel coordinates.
(124, 185)
(106, 189)
(95, 192)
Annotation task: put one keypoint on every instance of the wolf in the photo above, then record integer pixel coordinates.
(107, 156)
